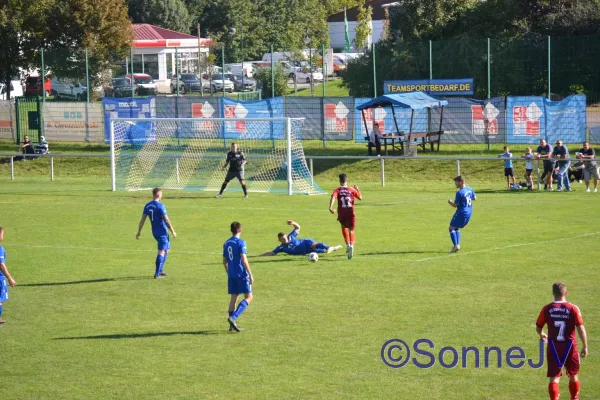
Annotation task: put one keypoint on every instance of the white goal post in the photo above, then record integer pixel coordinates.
(188, 153)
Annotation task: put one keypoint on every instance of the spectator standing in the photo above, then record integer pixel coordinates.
(528, 168)
(544, 151)
(561, 153)
(508, 166)
(590, 167)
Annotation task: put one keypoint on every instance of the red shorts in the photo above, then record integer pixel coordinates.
(347, 220)
(571, 361)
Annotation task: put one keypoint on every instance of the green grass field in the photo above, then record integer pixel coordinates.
(87, 321)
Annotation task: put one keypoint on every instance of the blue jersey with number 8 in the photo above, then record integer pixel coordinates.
(156, 211)
(232, 251)
(464, 200)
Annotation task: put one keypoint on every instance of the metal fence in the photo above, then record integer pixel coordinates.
(452, 165)
(479, 123)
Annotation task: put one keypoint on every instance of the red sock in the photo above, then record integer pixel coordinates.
(553, 390)
(346, 235)
(574, 389)
(352, 237)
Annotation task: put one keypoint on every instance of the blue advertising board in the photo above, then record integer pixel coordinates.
(269, 108)
(530, 119)
(441, 87)
(139, 132)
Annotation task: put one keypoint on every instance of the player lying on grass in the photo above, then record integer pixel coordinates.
(291, 244)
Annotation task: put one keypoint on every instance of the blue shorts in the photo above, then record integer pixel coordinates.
(238, 285)
(163, 242)
(3, 289)
(460, 220)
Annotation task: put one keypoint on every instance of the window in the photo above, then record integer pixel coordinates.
(151, 65)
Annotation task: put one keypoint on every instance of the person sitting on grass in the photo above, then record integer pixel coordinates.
(26, 148)
(42, 146)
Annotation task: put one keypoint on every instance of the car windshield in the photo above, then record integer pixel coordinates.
(217, 77)
(189, 77)
(144, 80)
(119, 82)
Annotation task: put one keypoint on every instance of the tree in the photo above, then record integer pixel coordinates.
(100, 26)
(263, 77)
(169, 14)
(22, 28)
(363, 26)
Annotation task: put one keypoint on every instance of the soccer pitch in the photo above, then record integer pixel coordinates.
(87, 321)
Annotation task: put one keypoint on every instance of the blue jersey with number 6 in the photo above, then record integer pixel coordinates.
(232, 251)
(464, 201)
(155, 211)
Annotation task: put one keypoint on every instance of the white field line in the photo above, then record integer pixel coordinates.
(512, 246)
(85, 248)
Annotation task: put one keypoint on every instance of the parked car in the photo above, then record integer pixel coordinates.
(16, 90)
(33, 86)
(120, 87)
(241, 85)
(218, 83)
(189, 83)
(68, 88)
(144, 84)
(236, 69)
(304, 75)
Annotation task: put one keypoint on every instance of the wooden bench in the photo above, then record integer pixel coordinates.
(422, 139)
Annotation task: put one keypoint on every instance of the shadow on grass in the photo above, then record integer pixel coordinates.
(140, 335)
(127, 278)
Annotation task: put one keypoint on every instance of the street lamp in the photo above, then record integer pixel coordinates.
(232, 30)
(307, 42)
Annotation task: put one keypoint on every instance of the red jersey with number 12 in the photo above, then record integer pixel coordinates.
(345, 196)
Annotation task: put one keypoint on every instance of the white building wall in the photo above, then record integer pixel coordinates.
(337, 31)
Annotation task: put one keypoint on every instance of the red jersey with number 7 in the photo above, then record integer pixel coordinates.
(562, 317)
(345, 199)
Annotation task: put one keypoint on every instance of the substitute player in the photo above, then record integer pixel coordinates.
(4, 277)
(239, 276)
(463, 202)
(345, 208)
(292, 245)
(160, 223)
(562, 318)
(236, 161)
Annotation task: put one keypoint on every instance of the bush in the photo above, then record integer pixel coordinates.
(263, 80)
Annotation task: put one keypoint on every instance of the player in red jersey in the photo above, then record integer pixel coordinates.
(345, 196)
(563, 318)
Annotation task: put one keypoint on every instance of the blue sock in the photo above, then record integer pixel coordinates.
(0, 310)
(159, 261)
(240, 309)
(162, 265)
(230, 313)
(322, 246)
(457, 237)
(320, 251)
(453, 236)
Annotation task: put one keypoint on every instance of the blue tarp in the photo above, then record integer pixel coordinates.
(414, 101)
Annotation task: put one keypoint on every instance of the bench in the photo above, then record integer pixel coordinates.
(422, 139)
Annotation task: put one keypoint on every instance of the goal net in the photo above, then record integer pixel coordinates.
(186, 153)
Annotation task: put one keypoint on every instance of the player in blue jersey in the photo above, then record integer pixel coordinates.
(463, 202)
(292, 245)
(4, 277)
(239, 276)
(157, 213)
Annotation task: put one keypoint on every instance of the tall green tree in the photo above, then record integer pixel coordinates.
(22, 29)
(100, 26)
(169, 14)
(363, 26)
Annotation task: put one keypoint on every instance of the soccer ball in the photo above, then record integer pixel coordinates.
(313, 257)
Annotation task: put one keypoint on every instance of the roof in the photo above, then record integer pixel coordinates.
(352, 13)
(414, 100)
(153, 32)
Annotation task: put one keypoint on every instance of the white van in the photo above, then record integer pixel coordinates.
(16, 90)
(236, 69)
